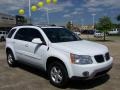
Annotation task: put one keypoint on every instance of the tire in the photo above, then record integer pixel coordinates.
(10, 59)
(2, 39)
(58, 75)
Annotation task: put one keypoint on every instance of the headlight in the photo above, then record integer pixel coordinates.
(81, 59)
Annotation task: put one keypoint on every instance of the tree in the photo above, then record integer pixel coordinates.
(116, 25)
(21, 20)
(69, 25)
(104, 25)
(25, 21)
(118, 18)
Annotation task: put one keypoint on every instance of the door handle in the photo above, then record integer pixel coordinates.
(26, 45)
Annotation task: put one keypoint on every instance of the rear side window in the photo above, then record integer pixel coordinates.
(11, 33)
(28, 34)
(20, 35)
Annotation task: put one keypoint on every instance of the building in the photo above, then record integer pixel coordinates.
(86, 27)
(7, 21)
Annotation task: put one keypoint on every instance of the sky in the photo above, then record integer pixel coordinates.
(78, 11)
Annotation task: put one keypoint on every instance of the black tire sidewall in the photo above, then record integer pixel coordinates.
(13, 63)
(64, 73)
(2, 39)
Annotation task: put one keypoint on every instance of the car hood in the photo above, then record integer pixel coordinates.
(82, 47)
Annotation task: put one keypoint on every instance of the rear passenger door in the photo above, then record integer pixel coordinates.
(21, 44)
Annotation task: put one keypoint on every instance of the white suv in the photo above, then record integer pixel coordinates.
(58, 51)
(113, 32)
(98, 34)
(3, 35)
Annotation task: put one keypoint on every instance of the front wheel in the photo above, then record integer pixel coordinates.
(58, 74)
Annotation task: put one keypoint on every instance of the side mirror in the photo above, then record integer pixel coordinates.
(37, 41)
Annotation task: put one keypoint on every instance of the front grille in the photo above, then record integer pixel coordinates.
(107, 56)
(99, 58)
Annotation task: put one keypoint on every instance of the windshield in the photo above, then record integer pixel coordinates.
(56, 35)
(98, 32)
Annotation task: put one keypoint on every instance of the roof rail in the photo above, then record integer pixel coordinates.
(25, 25)
(45, 25)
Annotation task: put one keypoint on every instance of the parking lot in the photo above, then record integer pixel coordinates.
(27, 78)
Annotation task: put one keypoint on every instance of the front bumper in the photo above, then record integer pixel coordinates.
(92, 70)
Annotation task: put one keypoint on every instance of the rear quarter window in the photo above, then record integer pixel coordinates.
(11, 33)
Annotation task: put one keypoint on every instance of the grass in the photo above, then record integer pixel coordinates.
(114, 38)
(108, 38)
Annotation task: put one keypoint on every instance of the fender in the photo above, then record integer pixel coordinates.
(13, 51)
(63, 56)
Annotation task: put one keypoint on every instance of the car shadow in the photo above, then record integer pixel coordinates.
(72, 84)
(97, 40)
(88, 84)
(33, 70)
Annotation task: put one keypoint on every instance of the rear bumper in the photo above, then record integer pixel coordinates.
(91, 71)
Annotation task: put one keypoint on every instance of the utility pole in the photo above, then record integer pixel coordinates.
(29, 11)
(93, 20)
(47, 14)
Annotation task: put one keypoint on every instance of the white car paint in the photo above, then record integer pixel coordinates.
(78, 33)
(28, 52)
(98, 34)
(81, 47)
(113, 32)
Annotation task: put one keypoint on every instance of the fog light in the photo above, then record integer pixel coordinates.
(86, 74)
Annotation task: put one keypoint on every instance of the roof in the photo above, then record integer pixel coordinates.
(32, 26)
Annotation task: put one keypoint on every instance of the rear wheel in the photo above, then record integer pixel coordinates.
(10, 59)
(58, 74)
(2, 39)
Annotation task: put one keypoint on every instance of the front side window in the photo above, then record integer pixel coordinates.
(56, 35)
(28, 34)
